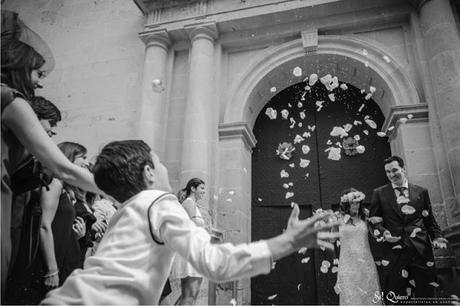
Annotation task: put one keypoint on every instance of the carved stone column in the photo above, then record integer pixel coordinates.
(153, 107)
(198, 118)
(442, 49)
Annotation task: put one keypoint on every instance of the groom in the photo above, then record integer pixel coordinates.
(402, 218)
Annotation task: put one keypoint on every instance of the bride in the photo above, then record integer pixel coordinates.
(357, 280)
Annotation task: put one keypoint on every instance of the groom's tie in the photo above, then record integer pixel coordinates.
(401, 191)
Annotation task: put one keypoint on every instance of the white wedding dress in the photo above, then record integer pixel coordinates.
(357, 280)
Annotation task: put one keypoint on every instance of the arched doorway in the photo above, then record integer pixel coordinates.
(320, 127)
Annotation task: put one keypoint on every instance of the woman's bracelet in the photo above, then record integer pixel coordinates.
(51, 274)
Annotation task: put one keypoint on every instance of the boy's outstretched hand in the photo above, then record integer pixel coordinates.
(303, 233)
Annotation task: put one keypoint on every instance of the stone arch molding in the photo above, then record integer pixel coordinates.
(354, 60)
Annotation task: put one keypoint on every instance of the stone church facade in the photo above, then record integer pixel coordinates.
(192, 78)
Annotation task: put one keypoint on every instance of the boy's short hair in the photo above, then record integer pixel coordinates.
(119, 167)
(45, 110)
(394, 158)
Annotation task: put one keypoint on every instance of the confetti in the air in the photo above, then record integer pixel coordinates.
(303, 250)
(343, 86)
(304, 163)
(298, 139)
(357, 137)
(306, 135)
(357, 122)
(273, 89)
(425, 213)
(387, 59)
(292, 165)
(286, 186)
(305, 260)
(403, 120)
(410, 116)
(338, 131)
(297, 71)
(334, 153)
(312, 79)
(302, 115)
(372, 89)
(298, 287)
(406, 209)
(360, 149)
(415, 231)
(271, 297)
(364, 51)
(331, 97)
(284, 113)
(429, 263)
(312, 127)
(299, 105)
(157, 85)
(371, 123)
(381, 134)
(231, 192)
(396, 247)
(284, 174)
(366, 132)
(368, 96)
(404, 273)
(434, 284)
(289, 195)
(391, 128)
(271, 113)
(361, 108)
(385, 262)
(305, 149)
(319, 105)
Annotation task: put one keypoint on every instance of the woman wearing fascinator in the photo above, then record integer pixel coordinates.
(357, 279)
(25, 61)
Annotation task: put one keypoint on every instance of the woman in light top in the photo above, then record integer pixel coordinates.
(190, 278)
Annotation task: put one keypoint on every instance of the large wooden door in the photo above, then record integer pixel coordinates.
(313, 177)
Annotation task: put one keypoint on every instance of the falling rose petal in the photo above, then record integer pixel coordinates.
(233, 302)
(412, 282)
(376, 232)
(303, 251)
(299, 105)
(289, 195)
(385, 262)
(343, 86)
(326, 263)
(338, 144)
(291, 184)
(407, 209)
(312, 79)
(396, 247)
(215, 197)
(271, 113)
(368, 96)
(371, 123)
(434, 284)
(319, 105)
(286, 186)
(231, 192)
(387, 59)
(356, 137)
(326, 79)
(331, 97)
(312, 127)
(289, 105)
(429, 263)
(425, 213)
(259, 199)
(306, 134)
(360, 149)
(273, 265)
(366, 132)
(329, 142)
(229, 200)
(366, 212)
(366, 64)
(298, 287)
(245, 170)
(297, 72)
(304, 163)
(298, 139)
(347, 127)
(322, 248)
(414, 232)
(337, 289)
(305, 260)
(334, 153)
(300, 124)
(307, 88)
(364, 51)
(302, 115)
(273, 89)
(338, 131)
(361, 108)
(284, 113)
(292, 165)
(381, 134)
(362, 91)
(403, 120)
(271, 297)
(391, 128)
(404, 273)
(303, 96)
(378, 262)
(157, 85)
(357, 122)
(307, 175)
(284, 174)
(346, 218)
(372, 89)
(292, 121)
(410, 116)
(305, 149)
(324, 269)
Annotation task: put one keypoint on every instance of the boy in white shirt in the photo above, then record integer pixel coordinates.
(134, 257)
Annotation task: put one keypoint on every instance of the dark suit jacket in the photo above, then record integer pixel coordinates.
(384, 205)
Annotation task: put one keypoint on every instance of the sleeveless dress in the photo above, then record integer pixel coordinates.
(181, 268)
(357, 279)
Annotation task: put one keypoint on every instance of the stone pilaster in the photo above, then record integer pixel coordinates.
(199, 115)
(153, 105)
(442, 49)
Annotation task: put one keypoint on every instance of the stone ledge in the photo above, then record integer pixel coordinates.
(418, 111)
(237, 130)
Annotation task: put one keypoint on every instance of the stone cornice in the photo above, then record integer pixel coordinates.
(419, 113)
(238, 130)
(156, 37)
(206, 30)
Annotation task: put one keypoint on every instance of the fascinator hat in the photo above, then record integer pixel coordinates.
(14, 30)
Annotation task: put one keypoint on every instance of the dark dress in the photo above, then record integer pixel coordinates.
(26, 285)
(89, 218)
(13, 154)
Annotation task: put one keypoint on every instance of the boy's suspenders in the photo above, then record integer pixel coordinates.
(148, 215)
